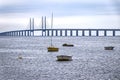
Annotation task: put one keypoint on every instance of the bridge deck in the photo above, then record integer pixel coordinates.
(63, 32)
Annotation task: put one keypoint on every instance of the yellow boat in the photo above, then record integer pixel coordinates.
(52, 49)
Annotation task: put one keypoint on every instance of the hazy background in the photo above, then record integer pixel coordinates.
(15, 14)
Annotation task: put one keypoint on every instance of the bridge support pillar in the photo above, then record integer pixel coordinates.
(22, 33)
(52, 32)
(13, 33)
(48, 33)
(60, 32)
(76, 32)
(89, 32)
(83, 33)
(65, 32)
(28, 33)
(17, 33)
(71, 33)
(97, 33)
(105, 33)
(33, 32)
(56, 33)
(113, 32)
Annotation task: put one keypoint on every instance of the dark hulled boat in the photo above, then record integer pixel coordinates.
(109, 48)
(68, 45)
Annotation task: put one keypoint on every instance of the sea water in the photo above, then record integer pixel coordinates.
(90, 60)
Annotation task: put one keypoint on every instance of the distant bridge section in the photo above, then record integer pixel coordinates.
(63, 32)
(44, 31)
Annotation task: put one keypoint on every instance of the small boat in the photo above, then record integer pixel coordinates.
(52, 49)
(64, 58)
(109, 48)
(69, 45)
(20, 57)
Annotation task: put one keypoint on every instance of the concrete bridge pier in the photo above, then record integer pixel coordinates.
(52, 33)
(89, 32)
(76, 32)
(65, 32)
(48, 33)
(60, 32)
(56, 32)
(97, 32)
(83, 33)
(114, 33)
(71, 33)
(105, 33)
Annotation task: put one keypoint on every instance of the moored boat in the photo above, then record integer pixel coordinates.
(52, 49)
(69, 45)
(20, 57)
(109, 48)
(64, 58)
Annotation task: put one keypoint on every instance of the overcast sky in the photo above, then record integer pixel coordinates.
(15, 14)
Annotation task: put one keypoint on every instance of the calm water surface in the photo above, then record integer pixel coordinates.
(90, 60)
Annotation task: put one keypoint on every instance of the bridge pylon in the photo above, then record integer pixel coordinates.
(31, 27)
(43, 26)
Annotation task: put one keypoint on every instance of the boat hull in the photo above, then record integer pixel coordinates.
(109, 48)
(53, 49)
(68, 45)
(64, 58)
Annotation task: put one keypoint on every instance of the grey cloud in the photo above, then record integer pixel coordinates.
(59, 8)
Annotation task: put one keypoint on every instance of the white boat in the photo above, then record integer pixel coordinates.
(64, 58)
(52, 48)
(109, 48)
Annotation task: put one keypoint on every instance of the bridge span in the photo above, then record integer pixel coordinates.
(63, 32)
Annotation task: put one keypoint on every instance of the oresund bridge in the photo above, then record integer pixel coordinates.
(60, 32)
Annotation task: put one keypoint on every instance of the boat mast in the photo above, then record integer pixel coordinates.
(51, 27)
